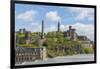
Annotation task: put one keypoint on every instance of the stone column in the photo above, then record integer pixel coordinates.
(58, 27)
(43, 53)
(42, 36)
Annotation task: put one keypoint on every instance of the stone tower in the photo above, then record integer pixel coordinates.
(27, 37)
(71, 34)
(58, 26)
(42, 33)
(43, 53)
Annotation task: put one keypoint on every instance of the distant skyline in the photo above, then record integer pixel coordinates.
(31, 16)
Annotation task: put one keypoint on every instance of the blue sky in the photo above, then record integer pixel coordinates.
(31, 16)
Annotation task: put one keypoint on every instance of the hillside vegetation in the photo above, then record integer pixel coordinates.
(55, 43)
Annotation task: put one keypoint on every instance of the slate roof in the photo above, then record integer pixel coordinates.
(27, 50)
(23, 49)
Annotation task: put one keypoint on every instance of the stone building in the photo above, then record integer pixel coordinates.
(26, 38)
(22, 31)
(23, 54)
(70, 34)
(83, 38)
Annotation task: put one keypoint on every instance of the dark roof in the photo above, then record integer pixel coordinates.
(83, 37)
(23, 49)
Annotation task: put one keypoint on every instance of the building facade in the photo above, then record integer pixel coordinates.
(71, 33)
(23, 54)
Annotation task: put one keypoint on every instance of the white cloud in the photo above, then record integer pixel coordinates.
(27, 15)
(51, 28)
(53, 15)
(85, 29)
(62, 27)
(36, 27)
(83, 13)
(34, 24)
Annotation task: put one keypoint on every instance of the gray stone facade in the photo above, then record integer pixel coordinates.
(23, 54)
(70, 34)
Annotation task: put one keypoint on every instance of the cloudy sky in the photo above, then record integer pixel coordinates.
(31, 16)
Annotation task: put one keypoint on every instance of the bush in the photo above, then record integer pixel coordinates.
(88, 50)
